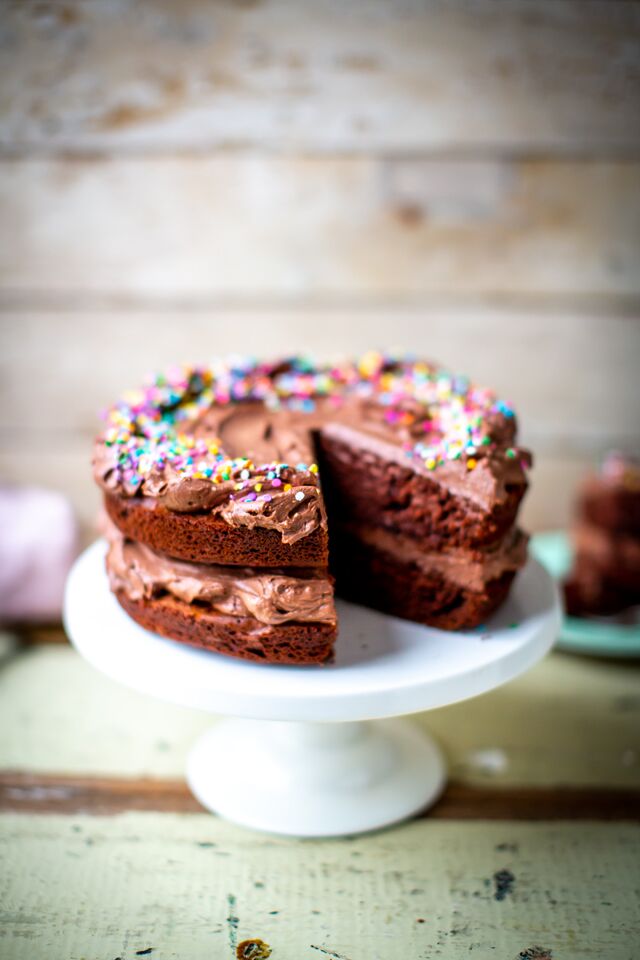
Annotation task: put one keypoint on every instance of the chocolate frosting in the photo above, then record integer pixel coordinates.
(457, 435)
(293, 519)
(607, 548)
(269, 596)
(471, 569)
(486, 485)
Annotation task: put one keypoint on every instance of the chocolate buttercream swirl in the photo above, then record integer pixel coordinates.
(269, 596)
(236, 439)
(471, 568)
(293, 518)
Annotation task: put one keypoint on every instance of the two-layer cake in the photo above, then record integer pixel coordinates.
(605, 578)
(233, 491)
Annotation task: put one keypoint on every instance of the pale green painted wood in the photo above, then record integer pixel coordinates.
(58, 714)
(82, 887)
(570, 720)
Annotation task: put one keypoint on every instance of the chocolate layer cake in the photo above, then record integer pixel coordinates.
(281, 615)
(220, 528)
(605, 578)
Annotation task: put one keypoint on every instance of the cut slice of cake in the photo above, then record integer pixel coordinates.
(605, 578)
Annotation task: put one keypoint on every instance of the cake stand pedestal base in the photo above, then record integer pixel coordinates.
(315, 779)
(317, 751)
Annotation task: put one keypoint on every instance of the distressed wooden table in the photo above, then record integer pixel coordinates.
(533, 852)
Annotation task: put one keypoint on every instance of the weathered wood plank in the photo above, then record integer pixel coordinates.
(57, 370)
(192, 886)
(100, 796)
(508, 74)
(569, 722)
(557, 368)
(107, 796)
(254, 227)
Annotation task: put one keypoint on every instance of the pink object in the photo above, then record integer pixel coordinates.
(38, 543)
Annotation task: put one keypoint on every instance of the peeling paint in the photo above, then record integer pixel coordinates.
(254, 949)
(329, 953)
(232, 921)
(504, 881)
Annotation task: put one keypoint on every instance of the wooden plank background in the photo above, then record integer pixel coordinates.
(180, 179)
(409, 75)
(456, 179)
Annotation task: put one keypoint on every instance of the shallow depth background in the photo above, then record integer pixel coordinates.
(458, 178)
(182, 179)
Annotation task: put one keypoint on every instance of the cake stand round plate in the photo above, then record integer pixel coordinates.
(598, 636)
(328, 762)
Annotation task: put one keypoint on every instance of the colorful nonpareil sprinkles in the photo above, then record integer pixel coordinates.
(440, 417)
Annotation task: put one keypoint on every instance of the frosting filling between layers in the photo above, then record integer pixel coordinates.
(606, 548)
(469, 569)
(270, 596)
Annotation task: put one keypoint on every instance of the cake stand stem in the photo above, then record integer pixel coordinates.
(315, 779)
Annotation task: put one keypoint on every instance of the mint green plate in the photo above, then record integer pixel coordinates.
(603, 636)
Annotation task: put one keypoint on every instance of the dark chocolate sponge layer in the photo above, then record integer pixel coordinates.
(613, 508)
(376, 579)
(618, 564)
(205, 538)
(591, 590)
(361, 486)
(605, 577)
(243, 637)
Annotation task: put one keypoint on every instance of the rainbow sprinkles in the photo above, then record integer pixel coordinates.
(441, 418)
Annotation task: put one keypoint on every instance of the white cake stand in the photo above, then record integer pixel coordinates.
(312, 754)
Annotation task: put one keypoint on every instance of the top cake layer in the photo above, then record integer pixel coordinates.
(237, 439)
(610, 498)
(605, 577)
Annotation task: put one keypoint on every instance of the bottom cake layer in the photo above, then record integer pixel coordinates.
(615, 555)
(244, 637)
(400, 586)
(272, 615)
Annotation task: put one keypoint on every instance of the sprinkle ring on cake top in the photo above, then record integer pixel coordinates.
(162, 442)
(221, 465)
